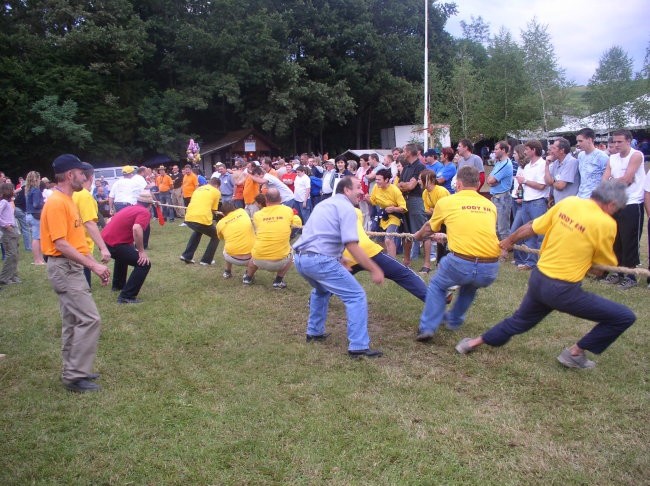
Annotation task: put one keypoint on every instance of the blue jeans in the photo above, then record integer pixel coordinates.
(303, 212)
(25, 230)
(398, 273)
(529, 211)
(470, 276)
(327, 276)
(546, 294)
(503, 203)
(166, 198)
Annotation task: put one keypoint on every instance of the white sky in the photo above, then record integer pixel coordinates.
(581, 30)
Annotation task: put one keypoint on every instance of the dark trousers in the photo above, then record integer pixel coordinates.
(193, 243)
(547, 294)
(398, 273)
(125, 256)
(629, 226)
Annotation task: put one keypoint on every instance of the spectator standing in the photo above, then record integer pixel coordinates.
(591, 163)
(165, 184)
(468, 158)
(34, 205)
(10, 236)
(412, 191)
(20, 213)
(561, 173)
(500, 182)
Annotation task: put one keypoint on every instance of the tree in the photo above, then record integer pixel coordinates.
(611, 86)
(57, 121)
(542, 66)
(464, 94)
(477, 30)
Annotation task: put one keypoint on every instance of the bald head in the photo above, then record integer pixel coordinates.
(273, 196)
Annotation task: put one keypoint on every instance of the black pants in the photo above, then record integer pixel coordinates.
(126, 255)
(629, 226)
(193, 243)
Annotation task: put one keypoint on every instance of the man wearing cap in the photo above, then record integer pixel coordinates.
(329, 175)
(199, 218)
(124, 230)
(88, 211)
(164, 184)
(63, 242)
(122, 192)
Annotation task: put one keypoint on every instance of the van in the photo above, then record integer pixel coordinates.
(108, 174)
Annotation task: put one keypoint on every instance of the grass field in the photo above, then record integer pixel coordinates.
(210, 382)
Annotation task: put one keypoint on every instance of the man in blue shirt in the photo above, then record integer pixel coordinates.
(500, 182)
(431, 161)
(591, 163)
(561, 170)
(332, 227)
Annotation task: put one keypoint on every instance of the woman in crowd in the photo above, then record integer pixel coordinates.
(34, 198)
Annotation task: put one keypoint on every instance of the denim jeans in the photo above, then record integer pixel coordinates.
(25, 230)
(303, 212)
(166, 198)
(470, 276)
(503, 203)
(327, 276)
(398, 273)
(546, 294)
(529, 211)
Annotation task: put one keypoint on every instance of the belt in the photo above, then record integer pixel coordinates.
(306, 253)
(499, 194)
(474, 259)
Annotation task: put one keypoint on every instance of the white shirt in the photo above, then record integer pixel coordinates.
(618, 165)
(285, 192)
(124, 191)
(301, 187)
(534, 171)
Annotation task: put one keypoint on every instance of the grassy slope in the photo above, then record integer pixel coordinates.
(208, 382)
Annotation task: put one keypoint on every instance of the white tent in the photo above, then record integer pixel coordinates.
(595, 121)
(355, 154)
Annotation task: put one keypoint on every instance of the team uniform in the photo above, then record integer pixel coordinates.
(272, 250)
(390, 196)
(236, 231)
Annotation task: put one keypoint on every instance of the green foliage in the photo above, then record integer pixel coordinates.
(58, 121)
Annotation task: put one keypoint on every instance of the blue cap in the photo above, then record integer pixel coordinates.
(66, 162)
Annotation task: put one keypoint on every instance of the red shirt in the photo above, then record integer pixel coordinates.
(288, 179)
(120, 229)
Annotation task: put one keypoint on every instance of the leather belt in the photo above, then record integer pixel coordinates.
(474, 259)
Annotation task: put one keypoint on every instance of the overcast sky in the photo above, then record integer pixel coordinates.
(581, 30)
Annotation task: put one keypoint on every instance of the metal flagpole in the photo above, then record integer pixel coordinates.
(425, 124)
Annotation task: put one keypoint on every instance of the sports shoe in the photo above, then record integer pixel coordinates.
(226, 274)
(279, 284)
(183, 259)
(524, 268)
(206, 263)
(425, 270)
(368, 353)
(626, 283)
(570, 361)
(463, 346)
(612, 278)
(82, 385)
(182, 224)
(247, 280)
(126, 300)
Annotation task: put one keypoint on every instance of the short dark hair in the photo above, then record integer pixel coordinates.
(346, 182)
(273, 195)
(587, 133)
(385, 173)
(564, 145)
(341, 158)
(411, 148)
(215, 181)
(227, 208)
(465, 142)
(257, 171)
(535, 145)
(623, 133)
(469, 176)
(503, 145)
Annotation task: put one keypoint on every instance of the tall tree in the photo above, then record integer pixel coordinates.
(611, 86)
(546, 76)
(464, 94)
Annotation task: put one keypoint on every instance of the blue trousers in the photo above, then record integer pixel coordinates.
(547, 294)
(470, 276)
(327, 276)
(398, 273)
(529, 211)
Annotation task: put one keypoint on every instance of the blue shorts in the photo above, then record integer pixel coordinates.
(35, 225)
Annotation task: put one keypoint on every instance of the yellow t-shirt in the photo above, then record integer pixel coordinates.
(578, 234)
(471, 221)
(87, 210)
(236, 229)
(60, 219)
(272, 232)
(368, 246)
(430, 198)
(204, 200)
(391, 196)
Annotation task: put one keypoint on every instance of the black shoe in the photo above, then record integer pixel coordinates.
(92, 376)
(319, 339)
(125, 300)
(83, 385)
(368, 353)
(424, 336)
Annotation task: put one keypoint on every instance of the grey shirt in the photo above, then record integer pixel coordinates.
(332, 224)
(566, 171)
(473, 161)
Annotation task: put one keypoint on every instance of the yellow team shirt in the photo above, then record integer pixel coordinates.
(236, 230)
(272, 232)
(60, 219)
(391, 196)
(368, 246)
(578, 234)
(471, 222)
(87, 210)
(204, 200)
(430, 198)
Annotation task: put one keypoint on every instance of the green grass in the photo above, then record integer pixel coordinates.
(210, 382)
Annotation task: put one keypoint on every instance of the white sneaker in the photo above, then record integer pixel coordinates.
(570, 361)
